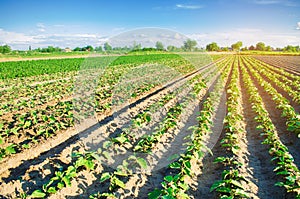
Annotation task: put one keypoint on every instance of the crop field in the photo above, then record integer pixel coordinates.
(151, 126)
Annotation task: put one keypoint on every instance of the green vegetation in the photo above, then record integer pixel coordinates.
(5, 49)
(237, 45)
(17, 69)
(212, 47)
(37, 107)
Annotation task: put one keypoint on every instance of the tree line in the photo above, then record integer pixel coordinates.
(260, 46)
(188, 45)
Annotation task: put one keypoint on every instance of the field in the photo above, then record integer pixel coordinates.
(151, 126)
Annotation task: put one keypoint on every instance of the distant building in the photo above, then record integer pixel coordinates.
(67, 50)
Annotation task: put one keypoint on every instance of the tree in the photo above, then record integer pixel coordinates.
(268, 48)
(89, 48)
(290, 48)
(159, 46)
(173, 48)
(261, 46)
(5, 49)
(225, 49)
(212, 47)
(237, 45)
(189, 45)
(251, 47)
(107, 47)
(136, 46)
(99, 49)
(77, 49)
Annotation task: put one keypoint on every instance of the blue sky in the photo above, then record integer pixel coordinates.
(75, 23)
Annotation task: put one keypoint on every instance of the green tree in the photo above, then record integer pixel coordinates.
(172, 48)
(251, 47)
(159, 46)
(268, 48)
(6, 49)
(290, 48)
(212, 47)
(225, 49)
(261, 46)
(237, 45)
(107, 47)
(77, 49)
(89, 48)
(137, 46)
(189, 45)
(99, 49)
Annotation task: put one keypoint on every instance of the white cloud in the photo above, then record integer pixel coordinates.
(298, 26)
(273, 2)
(189, 7)
(266, 2)
(72, 39)
(247, 36)
(59, 25)
(41, 27)
(42, 39)
(17, 38)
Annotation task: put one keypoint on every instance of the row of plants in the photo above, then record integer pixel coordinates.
(230, 186)
(293, 118)
(20, 82)
(289, 78)
(16, 94)
(169, 122)
(62, 177)
(147, 143)
(117, 179)
(127, 136)
(119, 175)
(281, 69)
(285, 166)
(289, 63)
(24, 125)
(29, 128)
(17, 69)
(113, 178)
(273, 77)
(36, 96)
(117, 85)
(287, 83)
(29, 95)
(176, 185)
(58, 182)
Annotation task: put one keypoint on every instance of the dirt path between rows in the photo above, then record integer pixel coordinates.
(260, 165)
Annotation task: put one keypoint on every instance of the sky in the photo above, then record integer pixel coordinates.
(71, 23)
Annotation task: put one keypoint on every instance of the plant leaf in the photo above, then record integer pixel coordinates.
(119, 183)
(142, 162)
(216, 185)
(38, 194)
(105, 176)
(154, 194)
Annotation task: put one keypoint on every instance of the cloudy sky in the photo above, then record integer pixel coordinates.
(71, 23)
